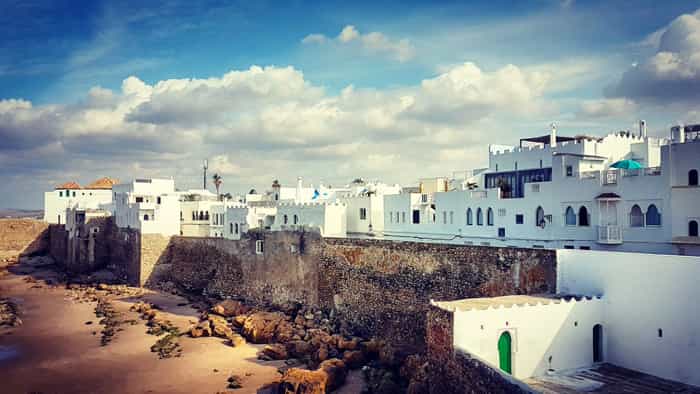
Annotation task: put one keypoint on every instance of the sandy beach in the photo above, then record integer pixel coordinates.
(57, 347)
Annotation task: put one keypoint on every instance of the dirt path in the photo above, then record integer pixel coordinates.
(55, 351)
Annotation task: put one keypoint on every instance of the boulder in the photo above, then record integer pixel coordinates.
(260, 327)
(284, 331)
(202, 329)
(276, 351)
(239, 320)
(299, 349)
(229, 308)
(329, 376)
(353, 358)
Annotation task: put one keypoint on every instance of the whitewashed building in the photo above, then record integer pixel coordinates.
(329, 218)
(97, 195)
(365, 206)
(202, 214)
(150, 205)
(561, 192)
(612, 317)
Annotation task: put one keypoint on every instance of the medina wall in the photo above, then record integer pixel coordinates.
(386, 286)
(380, 288)
(651, 323)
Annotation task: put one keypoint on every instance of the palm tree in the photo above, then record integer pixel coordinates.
(218, 180)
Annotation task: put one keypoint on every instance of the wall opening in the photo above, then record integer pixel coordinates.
(693, 228)
(505, 353)
(693, 178)
(597, 343)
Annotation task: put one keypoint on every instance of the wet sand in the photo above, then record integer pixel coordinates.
(55, 351)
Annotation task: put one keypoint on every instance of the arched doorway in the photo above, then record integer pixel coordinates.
(597, 343)
(505, 352)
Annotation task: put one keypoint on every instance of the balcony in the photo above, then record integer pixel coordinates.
(609, 235)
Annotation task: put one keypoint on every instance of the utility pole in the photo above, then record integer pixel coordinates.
(206, 165)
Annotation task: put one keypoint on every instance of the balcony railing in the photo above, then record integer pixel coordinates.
(610, 234)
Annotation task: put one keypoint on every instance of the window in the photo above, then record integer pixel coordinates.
(496, 166)
(693, 178)
(501, 212)
(158, 200)
(296, 219)
(416, 216)
(403, 217)
(181, 217)
(145, 218)
(236, 228)
(259, 247)
(73, 194)
(568, 246)
(693, 228)
(570, 216)
(660, 333)
(653, 216)
(363, 213)
(206, 215)
(569, 171)
(59, 219)
(194, 215)
(584, 247)
(501, 232)
(519, 218)
(60, 194)
(285, 219)
(391, 217)
(540, 163)
(452, 217)
(516, 166)
(230, 228)
(139, 199)
(489, 217)
(539, 217)
(444, 217)
(469, 216)
(479, 217)
(636, 216)
(583, 216)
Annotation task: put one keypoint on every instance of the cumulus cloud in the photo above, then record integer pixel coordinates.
(264, 123)
(373, 42)
(672, 72)
(605, 108)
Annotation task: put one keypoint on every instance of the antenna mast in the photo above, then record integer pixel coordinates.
(205, 166)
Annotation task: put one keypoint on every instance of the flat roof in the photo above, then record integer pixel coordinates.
(544, 139)
(507, 301)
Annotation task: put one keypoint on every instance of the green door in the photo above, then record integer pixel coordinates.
(504, 352)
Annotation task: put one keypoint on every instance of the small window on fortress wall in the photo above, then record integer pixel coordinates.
(259, 247)
(363, 213)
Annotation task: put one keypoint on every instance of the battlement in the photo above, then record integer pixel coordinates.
(516, 301)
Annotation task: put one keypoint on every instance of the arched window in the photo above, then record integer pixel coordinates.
(489, 217)
(479, 217)
(469, 216)
(693, 178)
(539, 217)
(653, 216)
(570, 217)
(206, 215)
(693, 228)
(636, 216)
(285, 219)
(145, 217)
(583, 216)
(201, 215)
(296, 219)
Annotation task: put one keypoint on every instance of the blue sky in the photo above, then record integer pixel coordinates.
(343, 89)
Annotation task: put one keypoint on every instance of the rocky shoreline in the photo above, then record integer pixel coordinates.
(316, 346)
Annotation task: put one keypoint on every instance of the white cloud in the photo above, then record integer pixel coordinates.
(605, 108)
(373, 42)
(672, 73)
(269, 122)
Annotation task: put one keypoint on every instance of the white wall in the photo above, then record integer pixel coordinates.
(562, 331)
(329, 218)
(643, 293)
(56, 202)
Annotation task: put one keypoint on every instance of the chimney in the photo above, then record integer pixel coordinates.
(553, 136)
(643, 128)
(299, 187)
